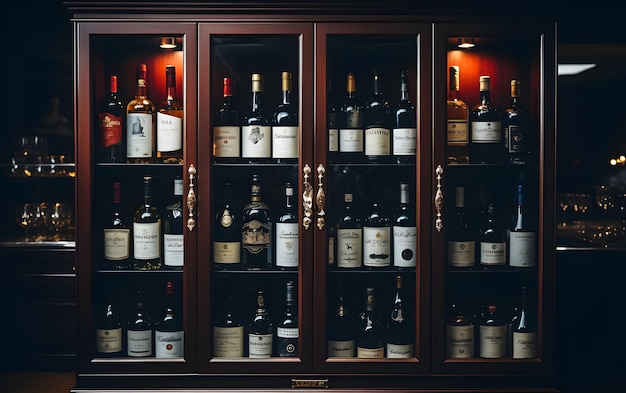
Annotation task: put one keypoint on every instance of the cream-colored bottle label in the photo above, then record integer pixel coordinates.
(228, 341)
(461, 254)
(226, 252)
(404, 141)
(351, 140)
(108, 340)
(349, 251)
(370, 353)
(487, 132)
(457, 132)
(116, 244)
(285, 141)
(287, 244)
(492, 341)
(333, 140)
(341, 349)
(173, 250)
(524, 345)
(226, 141)
(399, 351)
(522, 247)
(460, 341)
(139, 135)
(146, 244)
(376, 246)
(169, 132)
(169, 344)
(260, 345)
(492, 253)
(139, 343)
(256, 141)
(377, 141)
(404, 246)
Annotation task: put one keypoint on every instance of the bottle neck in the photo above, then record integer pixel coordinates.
(485, 97)
(286, 99)
(257, 101)
(170, 85)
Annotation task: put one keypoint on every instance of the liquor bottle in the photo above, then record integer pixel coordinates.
(256, 132)
(256, 230)
(139, 333)
(260, 330)
(376, 239)
(369, 342)
(117, 235)
(341, 331)
(140, 121)
(524, 331)
(227, 126)
(169, 337)
(287, 234)
(461, 238)
(517, 140)
(170, 122)
(349, 237)
(486, 145)
(227, 235)
(173, 224)
(287, 332)
(228, 333)
(458, 115)
(404, 232)
(350, 122)
(522, 237)
(147, 231)
(285, 130)
(492, 333)
(109, 333)
(492, 240)
(399, 332)
(404, 133)
(333, 128)
(459, 333)
(110, 127)
(377, 128)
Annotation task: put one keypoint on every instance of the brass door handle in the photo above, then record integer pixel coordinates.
(439, 200)
(307, 198)
(320, 198)
(191, 198)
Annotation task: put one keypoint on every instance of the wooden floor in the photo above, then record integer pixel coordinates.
(37, 382)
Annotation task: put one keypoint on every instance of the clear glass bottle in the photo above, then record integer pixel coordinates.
(117, 235)
(227, 234)
(228, 333)
(260, 330)
(111, 146)
(287, 331)
(256, 231)
(376, 239)
(170, 122)
(256, 132)
(147, 232)
(399, 330)
(139, 332)
(173, 225)
(376, 121)
(287, 238)
(404, 232)
(350, 122)
(461, 238)
(285, 130)
(168, 332)
(404, 132)
(457, 120)
(227, 126)
(486, 144)
(141, 124)
(369, 342)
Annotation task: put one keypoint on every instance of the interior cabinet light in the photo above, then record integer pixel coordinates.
(466, 42)
(168, 42)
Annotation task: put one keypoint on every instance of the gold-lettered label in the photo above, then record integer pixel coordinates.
(309, 383)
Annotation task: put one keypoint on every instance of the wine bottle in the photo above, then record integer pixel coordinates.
(524, 331)
(117, 235)
(341, 331)
(256, 132)
(492, 332)
(333, 129)
(170, 122)
(369, 342)
(486, 145)
(492, 240)
(173, 223)
(287, 239)
(169, 334)
(260, 330)
(287, 332)
(350, 122)
(139, 333)
(458, 115)
(228, 333)
(399, 332)
(349, 237)
(522, 237)
(404, 133)
(376, 239)
(404, 232)
(140, 120)
(256, 230)
(147, 231)
(109, 333)
(517, 139)
(110, 126)
(227, 235)
(285, 130)
(377, 130)
(227, 126)
(459, 333)
(461, 238)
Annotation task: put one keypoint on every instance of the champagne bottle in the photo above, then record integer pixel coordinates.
(139, 333)
(350, 121)
(227, 126)
(227, 235)
(369, 342)
(256, 230)
(256, 132)
(377, 144)
(287, 238)
(404, 232)
(517, 139)
(169, 334)
(461, 238)
(173, 224)
(117, 235)
(404, 133)
(376, 239)
(459, 333)
(492, 331)
(285, 130)
(399, 332)
(287, 332)
(341, 331)
(109, 333)
(110, 126)
(147, 232)
(492, 240)
(349, 237)
(524, 331)
(486, 145)
(228, 333)
(140, 120)
(170, 122)
(522, 237)
(260, 330)
(458, 115)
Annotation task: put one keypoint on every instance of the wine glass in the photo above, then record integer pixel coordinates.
(60, 216)
(564, 202)
(26, 217)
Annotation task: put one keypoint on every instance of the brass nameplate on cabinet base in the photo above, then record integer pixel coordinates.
(309, 383)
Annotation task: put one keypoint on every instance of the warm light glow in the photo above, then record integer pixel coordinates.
(168, 42)
(621, 160)
(467, 42)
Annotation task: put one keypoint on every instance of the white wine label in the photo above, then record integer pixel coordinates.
(116, 244)
(349, 251)
(108, 340)
(524, 345)
(404, 246)
(287, 332)
(256, 141)
(341, 349)
(169, 132)
(457, 133)
(460, 341)
(486, 132)
(404, 142)
(399, 350)
(227, 252)
(377, 141)
(139, 135)
(173, 250)
(169, 344)
(522, 247)
(370, 353)
(492, 253)
(139, 343)
(285, 141)
(350, 140)
(492, 341)
(333, 140)
(287, 244)
(228, 342)
(260, 345)
(226, 141)
(461, 254)
(146, 244)
(376, 246)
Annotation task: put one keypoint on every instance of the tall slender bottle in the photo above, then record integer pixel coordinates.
(173, 224)
(399, 330)
(170, 122)
(404, 232)
(227, 126)
(333, 127)
(522, 236)
(369, 342)
(256, 230)
(287, 331)
(492, 333)
(486, 146)
(141, 124)
(461, 238)
(524, 331)
(517, 139)
(169, 334)
(287, 238)
(117, 235)
(139, 332)
(228, 333)
(459, 333)
(350, 121)
(147, 232)
(109, 333)
(260, 330)
(110, 126)
(376, 239)
(349, 236)
(404, 132)
(341, 330)
(227, 235)
(285, 130)
(458, 115)
(492, 239)
(377, 128)
(256, 132)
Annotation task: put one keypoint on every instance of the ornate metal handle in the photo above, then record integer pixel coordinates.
(439, 200)
(307, 197)
(320, 198)
(191, 198)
